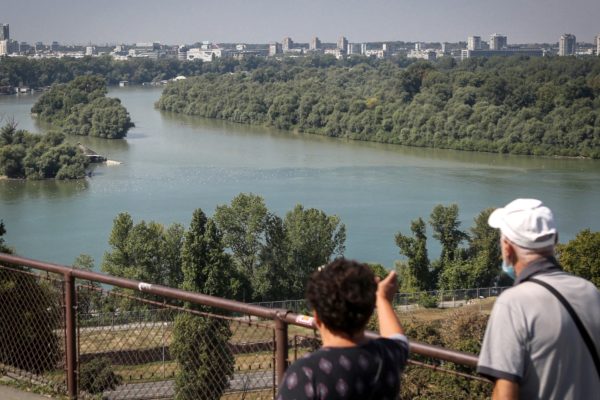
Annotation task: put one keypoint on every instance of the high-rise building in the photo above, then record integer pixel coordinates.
(54, 46)
(598, 45)
(4, 32)
(3, 47)
(275, 48)
(342, 43)
(363, 48)
(287, 43)
(567, 44)
(474, 43)
(315, 44)
(498, 42)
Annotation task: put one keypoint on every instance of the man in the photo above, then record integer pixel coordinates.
(532, 347)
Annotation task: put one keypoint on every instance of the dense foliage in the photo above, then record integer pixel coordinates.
(542, 106)
(82, 108)
(467, 260)
(97, 375)
(268, 257)
(581, 256)
(25, 155)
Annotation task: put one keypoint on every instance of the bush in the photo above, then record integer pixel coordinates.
(97, 375)
(428, 301)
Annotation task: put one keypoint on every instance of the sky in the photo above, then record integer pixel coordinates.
(262, 21)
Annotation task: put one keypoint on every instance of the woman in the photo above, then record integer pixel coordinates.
(343, 295)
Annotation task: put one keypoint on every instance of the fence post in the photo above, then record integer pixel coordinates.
(71, 334)
(281, 348)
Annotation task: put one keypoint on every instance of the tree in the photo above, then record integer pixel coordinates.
(243, 225)
(272, 279)
(417, 275)
(200, 342)
(445, 224)
(313, 238)
(581, 256)
(89, 295)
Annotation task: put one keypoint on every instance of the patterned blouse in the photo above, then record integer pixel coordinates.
(368, 371)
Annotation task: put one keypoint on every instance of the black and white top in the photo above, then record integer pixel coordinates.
(368, 371)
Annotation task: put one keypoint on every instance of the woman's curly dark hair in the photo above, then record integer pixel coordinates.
(343, 295)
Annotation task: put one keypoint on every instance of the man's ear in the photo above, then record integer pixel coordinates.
(508, 250)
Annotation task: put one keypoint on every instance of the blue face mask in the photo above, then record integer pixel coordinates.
(509, 270)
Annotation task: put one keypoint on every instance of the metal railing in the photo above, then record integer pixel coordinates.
(85, 339)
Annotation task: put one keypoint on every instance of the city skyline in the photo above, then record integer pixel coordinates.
(185, 21)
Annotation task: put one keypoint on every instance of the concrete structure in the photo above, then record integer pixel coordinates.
(363, 48)
(598, 45)
(274, 49)
(342, 43)
(315, 44)
(4, 32)
(502, 53)
(567, 45)
(206, 53)
(353, 48)
(89, 50)
(426, 54)
(377, 53)
(498, 42)
(3, 48)
(473, 43)
(287, 44)
(182, 52)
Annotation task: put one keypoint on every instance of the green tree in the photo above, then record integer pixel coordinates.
(200, 342)
(313, 238)
(89, 293)
(272, 280)
(581, 256)
(243, 224)
(417, 275)
(446, 229)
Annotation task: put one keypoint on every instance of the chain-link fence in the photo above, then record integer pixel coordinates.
(91, 335)
(408, 301)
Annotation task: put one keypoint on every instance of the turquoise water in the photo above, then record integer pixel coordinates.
(173, 164)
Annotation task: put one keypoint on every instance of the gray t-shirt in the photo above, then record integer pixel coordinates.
(531, 339)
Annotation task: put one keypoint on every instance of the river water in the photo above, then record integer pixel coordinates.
(173, 164)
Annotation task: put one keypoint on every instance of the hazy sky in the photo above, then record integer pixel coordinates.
(261, 21)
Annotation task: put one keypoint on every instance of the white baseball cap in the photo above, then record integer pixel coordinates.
(527, 223)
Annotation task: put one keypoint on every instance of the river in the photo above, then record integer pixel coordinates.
(173, 164)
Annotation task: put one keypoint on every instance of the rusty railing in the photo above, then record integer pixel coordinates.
(140, 339)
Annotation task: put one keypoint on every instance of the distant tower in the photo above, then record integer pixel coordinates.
(418, 46)
(4, 32)
(315, 44)
(287, 43)
(182, 51)
(598, 45)
(445, 47)
(363, 48)
(474, 43)
(497, 41)
(567, 44)
(342, 43)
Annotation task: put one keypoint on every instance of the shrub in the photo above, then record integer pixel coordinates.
(97, 375)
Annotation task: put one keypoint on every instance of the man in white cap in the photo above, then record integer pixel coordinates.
(543, 335)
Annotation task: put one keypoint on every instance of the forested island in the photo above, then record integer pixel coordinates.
(81, 107)
(538, 106)
(24, 155)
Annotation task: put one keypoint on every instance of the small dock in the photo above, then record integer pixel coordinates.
(91, 154)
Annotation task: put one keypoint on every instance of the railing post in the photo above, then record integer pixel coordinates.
(71, 334)
(281, 348)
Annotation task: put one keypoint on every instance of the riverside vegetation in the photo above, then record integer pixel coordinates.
(24, 155)
(537, 106)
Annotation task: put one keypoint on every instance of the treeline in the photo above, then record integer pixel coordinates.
(258, 255)
(22, 71)
(24, 155)
(81, 107)
(539, 106)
